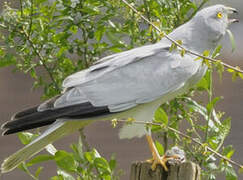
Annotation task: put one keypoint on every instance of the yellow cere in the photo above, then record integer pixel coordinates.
(219, 15)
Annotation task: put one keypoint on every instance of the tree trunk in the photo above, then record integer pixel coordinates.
(184, 171)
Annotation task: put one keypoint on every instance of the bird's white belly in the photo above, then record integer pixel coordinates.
(145, 112)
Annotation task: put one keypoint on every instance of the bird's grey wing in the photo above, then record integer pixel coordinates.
(113, 62)
(129, 78)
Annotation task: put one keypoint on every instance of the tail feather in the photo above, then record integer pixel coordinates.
(24, 112)
(27, 127)
(54, 132)
(31, 118)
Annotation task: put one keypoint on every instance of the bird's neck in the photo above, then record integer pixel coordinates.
(195, 40)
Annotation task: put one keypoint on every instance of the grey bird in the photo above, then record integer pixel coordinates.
(130, 84)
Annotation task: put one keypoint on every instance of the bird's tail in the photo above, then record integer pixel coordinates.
(32, 118)
(56, 131)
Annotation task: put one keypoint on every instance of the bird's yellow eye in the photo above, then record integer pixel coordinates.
(219, 15)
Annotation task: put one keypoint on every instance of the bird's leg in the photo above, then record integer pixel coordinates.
(157, 159)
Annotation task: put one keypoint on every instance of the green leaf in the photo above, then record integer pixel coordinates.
(234, 74)
(211, 104)
(216, 52)
(228, 151)
(161, 116)
(38, 171)
(202, 84)
(232, 39)
(206, 53)
(2, 51)
(240, 75)
(179, 42)
(102, 163)
(172, 47)
(74, 29)
(39, 159)
(89, 156)
(23, 167)
(183, 51)
(112, 163)
(99, 33)
(64, 18)
(26, 137)
(33, 73)
(241, 170)
(65, 161)
(7, 60)
(219, 68)
(225, 128)
(160, 148)
(78, 150)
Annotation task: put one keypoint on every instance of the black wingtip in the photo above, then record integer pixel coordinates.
(25, 112)
(5, 132)
(6, 125)
(8, 132)
(3, 126)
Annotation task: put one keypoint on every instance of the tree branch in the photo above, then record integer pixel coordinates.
(179, 45)
(187, 137)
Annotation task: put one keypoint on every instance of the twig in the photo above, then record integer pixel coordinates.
(42, 60)
(31, 16)
(146, 7)
(85, 39)
(84, 141)
(210, 94)
(29, 173)
(21, 7)
(179, 45)
(188, 137)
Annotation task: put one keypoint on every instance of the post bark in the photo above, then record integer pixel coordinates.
(184, 171)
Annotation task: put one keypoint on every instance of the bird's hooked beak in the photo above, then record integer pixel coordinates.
(231, 11)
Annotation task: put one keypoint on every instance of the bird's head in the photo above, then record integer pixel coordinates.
(215, 19)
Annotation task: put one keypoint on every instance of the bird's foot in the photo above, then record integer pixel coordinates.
(173, 156)
(158, 160)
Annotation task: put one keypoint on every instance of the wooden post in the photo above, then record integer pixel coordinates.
(184, 171)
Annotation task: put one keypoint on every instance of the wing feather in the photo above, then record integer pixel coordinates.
(111, 63)
(153, 72)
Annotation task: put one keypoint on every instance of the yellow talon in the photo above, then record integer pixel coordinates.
(157, 159)
(162, 160)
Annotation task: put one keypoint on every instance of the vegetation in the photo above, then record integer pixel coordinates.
(50, 40)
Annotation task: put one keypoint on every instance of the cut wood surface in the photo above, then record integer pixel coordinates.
(185, 171)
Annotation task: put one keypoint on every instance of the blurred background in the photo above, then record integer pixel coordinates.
(16, 94)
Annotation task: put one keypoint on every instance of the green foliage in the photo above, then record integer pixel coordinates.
(73, 165)
(50, 40)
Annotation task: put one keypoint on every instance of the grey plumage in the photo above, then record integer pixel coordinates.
(133, 84)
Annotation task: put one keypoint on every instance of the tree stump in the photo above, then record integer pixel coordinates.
(184, 171)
